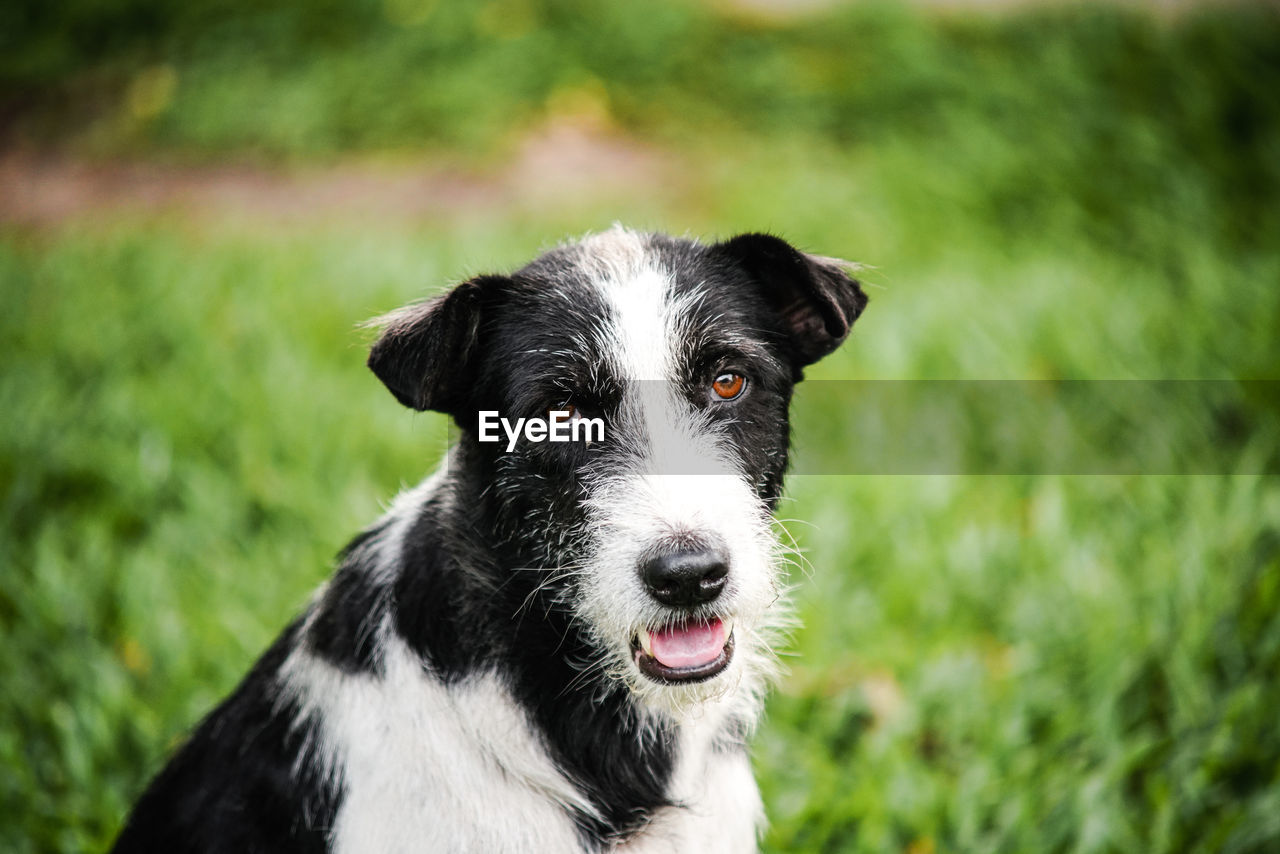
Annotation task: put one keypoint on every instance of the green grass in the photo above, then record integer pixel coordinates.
(987, 663)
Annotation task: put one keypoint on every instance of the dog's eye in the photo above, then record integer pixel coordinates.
(729, 385)
(571, 414)
(558, 411)
(566, 411)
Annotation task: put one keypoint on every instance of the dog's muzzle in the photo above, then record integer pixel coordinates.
(687, 649)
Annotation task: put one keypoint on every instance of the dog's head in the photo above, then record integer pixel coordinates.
(656, 536)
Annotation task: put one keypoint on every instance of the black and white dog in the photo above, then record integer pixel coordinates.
(546, 646)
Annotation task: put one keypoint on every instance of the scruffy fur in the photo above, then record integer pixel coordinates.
(467, 681)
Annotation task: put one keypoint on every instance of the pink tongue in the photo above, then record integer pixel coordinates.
(688, 646)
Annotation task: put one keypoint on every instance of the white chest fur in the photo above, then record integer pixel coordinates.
(425, 767)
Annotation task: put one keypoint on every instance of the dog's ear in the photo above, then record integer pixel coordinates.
(426, 354)
(817, 300)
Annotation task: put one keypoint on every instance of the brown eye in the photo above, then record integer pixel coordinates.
(729, 386)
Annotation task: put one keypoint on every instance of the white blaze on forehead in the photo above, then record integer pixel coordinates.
(638, 336)
(642, 336)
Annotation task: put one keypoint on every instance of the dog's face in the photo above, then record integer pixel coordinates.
(656, 536)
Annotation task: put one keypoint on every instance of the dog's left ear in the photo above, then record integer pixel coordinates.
(817, 300)
(426, 354)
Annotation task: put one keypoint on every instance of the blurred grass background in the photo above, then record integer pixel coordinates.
(1029, 663)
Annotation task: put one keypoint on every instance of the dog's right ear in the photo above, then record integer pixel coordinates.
(426, 353)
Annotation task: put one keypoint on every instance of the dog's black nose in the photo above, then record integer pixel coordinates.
(687, 577)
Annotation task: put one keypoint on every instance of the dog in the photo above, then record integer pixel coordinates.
(547, 646)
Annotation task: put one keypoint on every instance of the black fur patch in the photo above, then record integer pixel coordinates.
(594, 739)
(441, 611)
(343, 630)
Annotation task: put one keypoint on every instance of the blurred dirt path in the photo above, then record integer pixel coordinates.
(558, 162)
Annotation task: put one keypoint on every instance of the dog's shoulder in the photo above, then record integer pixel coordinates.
(407, 578)
(246, 780)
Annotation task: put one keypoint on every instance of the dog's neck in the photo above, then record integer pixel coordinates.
(467, 602)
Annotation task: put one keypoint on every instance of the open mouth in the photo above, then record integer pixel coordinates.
(684, 652)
